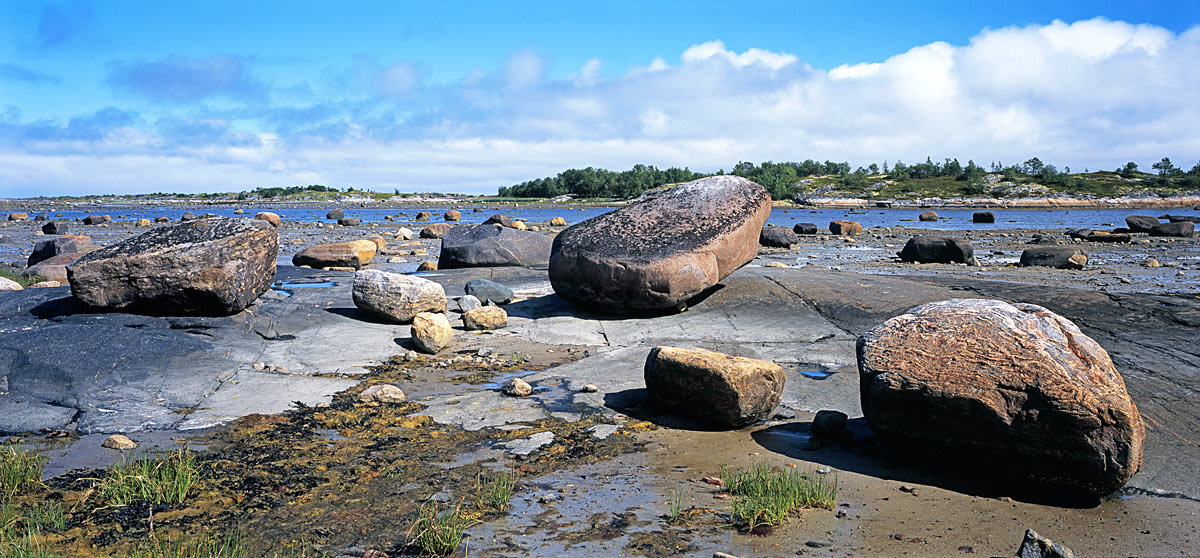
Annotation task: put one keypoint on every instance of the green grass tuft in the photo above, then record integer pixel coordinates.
(10, 273)
(440, 533)
(765, 495)
(20, 471)
(675, 511)
(493, 493)
(159, 479)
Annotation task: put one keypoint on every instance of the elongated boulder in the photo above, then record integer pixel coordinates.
(96, 219)
(1140, 223)
(395, 296)
(713, 388)
(662, 251)
(493, 246)
(485, 317)
(436, 230)
(845, 228)
(804, 228)
(1061, 257)
(206, 267)
(983, 217)
(1012, 387)
(937, 249)
(928, 216)
(18, 216)
(1183, 229)
(355, 253)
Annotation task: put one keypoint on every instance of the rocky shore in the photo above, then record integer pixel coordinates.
(350, 395)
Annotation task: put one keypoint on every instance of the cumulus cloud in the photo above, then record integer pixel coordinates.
(1092, 93)
(181, 78)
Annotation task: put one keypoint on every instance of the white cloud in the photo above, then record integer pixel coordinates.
(1092, 93)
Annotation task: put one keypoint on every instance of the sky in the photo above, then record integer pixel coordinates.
(135, 97)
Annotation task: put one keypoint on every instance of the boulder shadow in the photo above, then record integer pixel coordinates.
(62, 307)
(554, 306)
(635, 403)
(858, 450)
(358, 315)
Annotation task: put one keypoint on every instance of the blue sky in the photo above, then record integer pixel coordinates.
(217, 96)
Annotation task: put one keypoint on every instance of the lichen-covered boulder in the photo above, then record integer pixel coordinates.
(660, 252)
(1009, 385)
(493, 246)
(713, 388)
(206, 267)
(396, 296)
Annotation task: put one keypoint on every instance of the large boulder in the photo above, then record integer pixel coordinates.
(1014, 388)
(777, 237)
(983, 217)
(1141, 223)
(804, 228)
(395, 296)
(272, 218)
(928, 216)
(1061, 257)
(845, 228)
(491, 246)
(713, 388)
(1178, 218)
(96, 219)
(335, 214)
(355, 253)
(1177, 228)
(65, 244)
(937, 249)
(662, 251)
(452, 215)
(436, 230)
(207, 267)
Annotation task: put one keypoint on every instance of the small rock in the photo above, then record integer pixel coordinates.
(487, 317)
(7, 284)
(272, 218)
(1037, 546)
(928, 216)
(777, 264)
(827, 424)
(723, 555)
(590, 388)
(383, 393)
(818, 544)
(335, 214)
(452, 215)
(431, 332)
(436, 230)
(518, 388)
(1151, 262)
(468, 303)
(489, 291)
(396, 296)
(119, 442)
(349, 222)
(428, 265)
(484, 352)
(558, 222)
(404, 233)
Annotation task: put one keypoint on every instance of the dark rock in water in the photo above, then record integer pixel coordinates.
(41, 217)
(1061, 257)
(777, 237)
(1017, 387)
(349, 222)
(1037, 546)
(436, 230)
(423, 216)
(335, 214)
(206, 267)
(96, 219)
(928, 216)
(1178, 228)
(452, 215)
(1178, 218)
(498, 219)
(489, 291)
(983, 217)
(493, 245)
(52, 269)
(714, 388)
(1140, 223)
(804, 228)
(65, 244)
(828, 424)
(56, 227)
(187, 216)
(937, 249)
(662, 251)
(845, 228)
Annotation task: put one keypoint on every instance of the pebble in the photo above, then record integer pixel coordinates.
(590, 388)
(518, 388)
(824, 470)
(119, 442)
(484, 352)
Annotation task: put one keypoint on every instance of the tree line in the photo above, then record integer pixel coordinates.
(783, 179)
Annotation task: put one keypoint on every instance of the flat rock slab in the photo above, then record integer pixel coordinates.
(253, 391)
(117, 372)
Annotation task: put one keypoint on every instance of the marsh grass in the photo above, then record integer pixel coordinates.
(20, 471)
(162, 479)
(10, 273)
(231, 543)
(21, 528)
(440, 532)
(493, 493)
(766, 496)
(675, 507)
